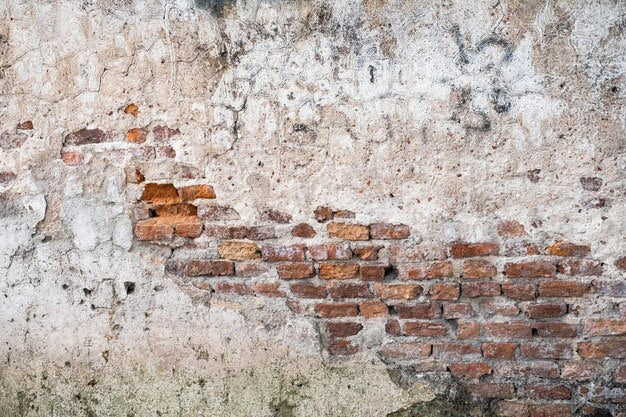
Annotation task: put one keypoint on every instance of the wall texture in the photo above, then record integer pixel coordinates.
(312, 208)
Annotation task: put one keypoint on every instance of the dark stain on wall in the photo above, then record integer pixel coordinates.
(216, 7)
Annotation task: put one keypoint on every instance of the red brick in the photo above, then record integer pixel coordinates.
(336, 310)
(455, 350)
(392, 327)
(519, 291)
(514, 330)
(499, 350)
(295, 271)
(424, 311)
(457, 311)
(160, 194)
(468, 330)
(581, 267)
(339, 270)
(303, 230)
(389, 231)
(85, 137)
(581, 371)
(342, 290)
(309, 290)
(528, 370)
(348, 231)
(237, 288)
(545, 392)
(270, 289)
(560, 248)
(406, 350)
(480, 289)
(511, 409)
(532, 269)
(621, 263)
(561, 330)
(72, 158)
(330, 251)
(563, 288)
(520, 249)
(546, 350)
(465, 250)
(550, 410)
(189, 227)
(367, 253)
(545, 310)
(397, 291)
(431, 270)
(371, 309)
(162, 133)
(372, 272)
(277, 216)
(444, 291)
(238, 250)
(472, 370)
(293, 253)
(604, 348)
(323, 214)
(511, 228)
(478, 269)
(194, 192)
(490, 390)
(342, 347)
(249, 269)
(501, 307)
(153, 229)
(424, 329)
(343, 329)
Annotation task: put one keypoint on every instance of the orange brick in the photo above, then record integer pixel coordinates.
(348, 231)
(339, 270)
(397, 291)
(193, 192)
(239, 250)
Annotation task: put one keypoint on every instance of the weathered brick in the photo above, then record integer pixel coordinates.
(480, 289)
(85, 137)
(217, 213)
(136, 135)
(501, 307)
(160, 194)
(27, 125)
(545, 392)
(269, 289)
(621, 263)
(71, 158)
(467, 330)
(532, 269)
(581, 267)
(420, 271)
(424, 329)
(371, 309)
(455, 350)
(342, 347)
(188, 227)
(241, 232)
(323, 214)
(348, 231)
(153, 229)
(389, 231)
(604, 348)
(499, 350)
(293, 253)
(195, 192)
(550, 410)
(372, 272)
(237, 288)
(303, 230)
(9, 140)
(490, 390)
(514, 330)
(520, 249)
(309, 290)
(444, 291)
(466, 250)
(275, 216)
(581, 371)
(563, 288)
(415, 253)
(472, 370)
(519, 291)
(527, 370)
(397, 291)
(336, 310)
(238, 250)
(343, 290)
(605, 327)
(162, 133)
(175, 210)
(511, 409)
(166, 151)
(545, 310)
(546, 350)
(343, 329)
(406, 350)
(367, 253)
(478, 269)
(424, 311)
(561, 248)
(330, 252)
(392, 327)
(511, 228)
(250, 269)
(131, 109)
(457, 311)
(301, 270)
(339, 270)
(560, 330)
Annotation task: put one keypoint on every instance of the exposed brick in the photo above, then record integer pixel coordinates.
(72, 158)
(343, 329)
(160, 194)
(343, 290)
(478, 268)
(480, 289)
(511, 409)
(136, 135)
(295, 306)
(519, 291)
(371, 309)
(532, 269)
(330, 252)
(85, 137)
(372, 272)
(545, 310)
(472, 370)
(237, 288)
(348, 231)
(444, 291)
(241, 232)
(301, 270)
(424, 311)
(389, 231)
(189, 227)
(527, 370)
(605, 327)
(132, 109)
(561, 248)
(275, 216)
(550, 410)
(343, 214)
(162, 133)
(269, 289)
(176, 210)
(490, 390)
(239, 250)
(499, 350)
(392, 327)
(465, 250)
(303, 230)
(468, 330)
(581, 267)
(27, 125)
(342, 347)
(397, 291)
(153, 229)
(309, 290)
(293, 253)
(520, 249)
(166, 151)
(250, 269)
(367, 253)
(424, 329)
(455, 350)
(514, 330)
(217, 213)
(546, 350)
(605, 348)
(511, 228)
(457, 311)
(562, 288)
(194, 192)
(339, 270)
(406, 350)
(580, 371)
(545, 392)
(323, 214)
(431, 270)
(336, 310)
(560, 330)
(501, 307)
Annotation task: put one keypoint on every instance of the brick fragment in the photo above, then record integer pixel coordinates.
(421, 271)
(480, 289)
(330, 252)
(545, 392)
(323, 214)
(342, 347)
(241, 232)
(478, 269)
(303, 230)
(371, 309)
(397, 291)
(194, 192)
(520, 249)
(511, 228)
(336, 310)
(444, 291)
(85, 137)
(621, 263)
(581, 371)
(238, 250)
(343, 329)
(499, 350)
(561, 248)
(249, 269)
(160, 194)
(532, 269)
(457, 311)
(455, 350)
(424, 329)
(471, 370)
(293, 253)
(465, 250)
(136, 135)
(513, 330)
(581, 267)
(392, 327)
(367, 253)
(560, 330)
(372, 272)
(132, 109)
(309, 290)
(406, 350)
(199, 267)
(389, 231)
(339, 270)
(269, 289)
(301, 270)
(604, 348)
(591, 183)
(72, 158)
(27, 125)
(166, 151)
(519, 291)
(424, 311)
(162, 133)
(276, 216)
(468, 330)
(343, 290)
(546, 310)
(217, 213)
(546, 350)
(490, 390)
(153, 229)
(236, 288)
(348, 231)
(563, 288)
